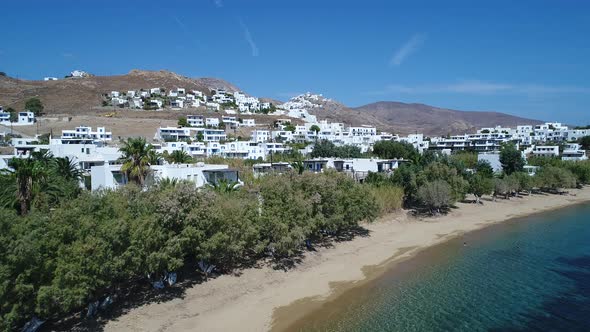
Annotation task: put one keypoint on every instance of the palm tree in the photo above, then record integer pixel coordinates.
(298, 166)
(67, 168)
(154, 157)
(179, 157)
(28, 173)
(136, 159)
(223, 186)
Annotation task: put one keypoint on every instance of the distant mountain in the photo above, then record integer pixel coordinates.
(408, 118)
(75, 96)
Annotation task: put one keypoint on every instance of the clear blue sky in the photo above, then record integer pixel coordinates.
(528, 58)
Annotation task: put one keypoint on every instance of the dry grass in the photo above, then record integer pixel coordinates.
(389, 198)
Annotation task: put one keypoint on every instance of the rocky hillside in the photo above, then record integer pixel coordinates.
(77, 95)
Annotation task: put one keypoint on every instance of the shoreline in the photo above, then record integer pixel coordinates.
(267, 299)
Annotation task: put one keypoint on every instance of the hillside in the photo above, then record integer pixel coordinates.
(79, 95)
(408, 118)
(83, 97)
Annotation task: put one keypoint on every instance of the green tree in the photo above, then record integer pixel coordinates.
(554, 178)
(179, 157)
(480, 185)
(29, 173)
(439, 171)
(13, 114)
(182, 122)
(585, 142)
(484, 169)
(298, 166)
(315, 129)
(395, 150)
(511, 159)
(467, 159)
(435, 195)
(136, 158)
(34, 105)
(67, 169)
(501, 188)
(290, 127)
(406, 178)
(326, 149)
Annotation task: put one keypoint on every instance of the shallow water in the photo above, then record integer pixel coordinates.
(529, 274)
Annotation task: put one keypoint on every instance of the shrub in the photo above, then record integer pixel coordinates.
(388, 198)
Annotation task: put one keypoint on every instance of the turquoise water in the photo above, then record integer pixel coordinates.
(532, 274)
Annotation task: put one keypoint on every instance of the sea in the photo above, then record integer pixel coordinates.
(527, 274)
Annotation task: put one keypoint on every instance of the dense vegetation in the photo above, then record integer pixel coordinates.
(64, 248)
(325, 149)
(63, 255)
(433, 183)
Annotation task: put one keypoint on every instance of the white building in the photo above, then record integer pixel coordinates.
(84, 152)
(170, 134)
(546, 151)
(574, 151)
(248, 123)
(25, 118)
(195, 120)
(4, 117)
(79, 74)
(109, 176)
(86, 132)
(358, 168)
(212, 122)
(261, 136)
(50, 78)
(156, 91)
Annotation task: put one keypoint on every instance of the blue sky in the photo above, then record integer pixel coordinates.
(528, 58)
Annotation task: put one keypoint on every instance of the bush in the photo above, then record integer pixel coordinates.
(388, 198)
(553, 178)
(435, 195)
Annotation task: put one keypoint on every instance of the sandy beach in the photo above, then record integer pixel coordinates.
(256, 300)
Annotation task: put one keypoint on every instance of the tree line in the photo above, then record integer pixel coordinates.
(65, 249)
(434, 182)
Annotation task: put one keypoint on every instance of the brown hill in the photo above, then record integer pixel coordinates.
(408, 118)
(77, 95)
(83, 96)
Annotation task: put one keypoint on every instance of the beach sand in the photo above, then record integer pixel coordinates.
(261, 299)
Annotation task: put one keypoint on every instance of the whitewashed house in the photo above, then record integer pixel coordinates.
(195, 120)
(546, 151)
(156, 91)
(25, 118)
(4, 117)
(86, 132)
(261, 136)
(177, 103)
(574, 151)
(109, 176)
(85, 152)
(212, 122)
(213, 106)
(230, 121)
